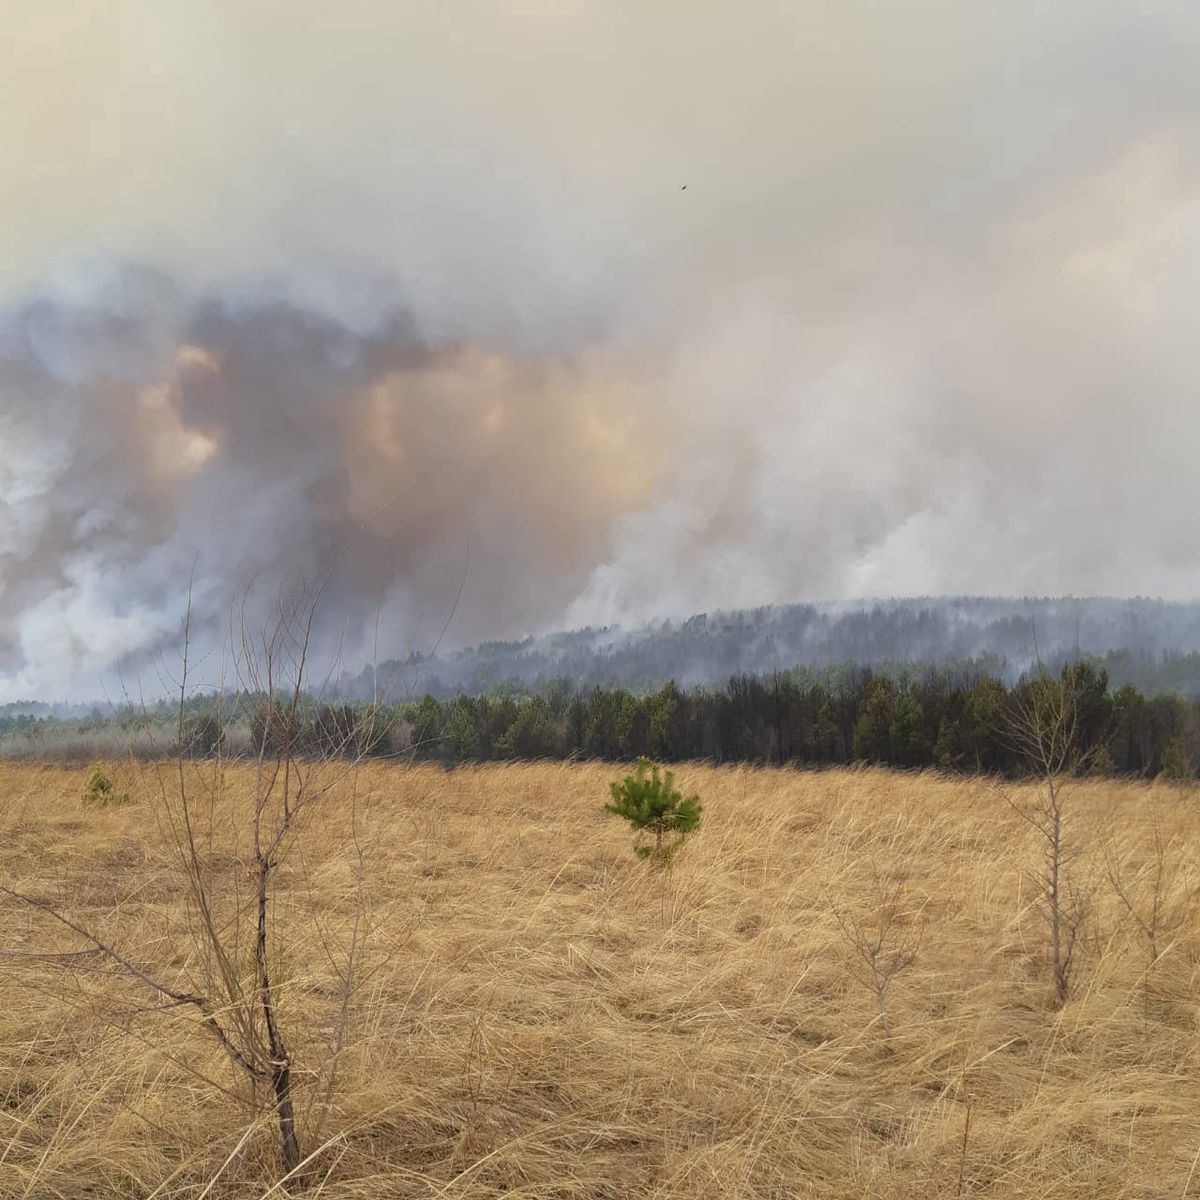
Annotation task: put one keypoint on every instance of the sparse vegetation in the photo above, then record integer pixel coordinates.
(203, 966)
(518, 1027)
(1155, 899)
(882, 930)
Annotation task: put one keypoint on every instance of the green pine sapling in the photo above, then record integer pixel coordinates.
(650, 802)
(101, 792)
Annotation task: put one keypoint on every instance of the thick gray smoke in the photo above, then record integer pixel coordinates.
(619, 309)
(163, 446)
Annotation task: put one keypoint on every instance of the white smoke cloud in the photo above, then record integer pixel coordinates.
(654, 307)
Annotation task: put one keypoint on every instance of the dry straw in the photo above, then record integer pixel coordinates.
(536, 1013)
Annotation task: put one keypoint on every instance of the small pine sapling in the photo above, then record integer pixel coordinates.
(650, 802)
(101, 792)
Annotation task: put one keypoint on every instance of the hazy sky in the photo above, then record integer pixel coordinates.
(619, 309)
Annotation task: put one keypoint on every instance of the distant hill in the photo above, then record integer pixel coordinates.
(1154, 644)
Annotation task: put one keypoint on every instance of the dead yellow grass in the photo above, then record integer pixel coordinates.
(539, 1014)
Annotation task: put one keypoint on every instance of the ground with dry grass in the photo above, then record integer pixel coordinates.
(508, 1002)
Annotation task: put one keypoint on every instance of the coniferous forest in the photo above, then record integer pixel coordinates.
(946, 719)
(955, 719)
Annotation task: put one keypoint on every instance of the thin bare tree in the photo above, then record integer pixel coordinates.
(1146, 896)
(241, 1009)
(884, 941)
(1045, 730)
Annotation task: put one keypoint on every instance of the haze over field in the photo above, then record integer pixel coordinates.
(614, 310)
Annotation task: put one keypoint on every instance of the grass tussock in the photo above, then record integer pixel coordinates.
(535, 1012)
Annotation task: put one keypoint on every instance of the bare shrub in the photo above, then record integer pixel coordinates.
(1046, 728)
(1148, 892)
(227, 969)
(883, 933)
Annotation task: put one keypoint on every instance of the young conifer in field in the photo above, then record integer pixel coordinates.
(650, 802)
(100, 791)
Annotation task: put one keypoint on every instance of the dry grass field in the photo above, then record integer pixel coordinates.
(534, 1012)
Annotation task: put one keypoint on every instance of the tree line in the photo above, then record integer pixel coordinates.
(942, 719)
(949, 718)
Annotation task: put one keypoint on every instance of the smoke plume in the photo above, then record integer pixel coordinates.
(586, 312)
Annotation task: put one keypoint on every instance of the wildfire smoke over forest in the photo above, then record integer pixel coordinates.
(611, 311)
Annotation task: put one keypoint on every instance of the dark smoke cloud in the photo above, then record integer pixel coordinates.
(422, 283)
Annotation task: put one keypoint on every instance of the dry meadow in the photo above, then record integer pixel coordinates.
(487, 994)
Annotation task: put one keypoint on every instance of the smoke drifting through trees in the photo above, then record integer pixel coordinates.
(1151, 644)
(269, 442)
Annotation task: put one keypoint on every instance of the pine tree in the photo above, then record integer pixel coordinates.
(650, 802)
(945, 749)
(461, 737)
(1102, 765)
(909, 747)
(873, 729)
(825, 733)
(1177, 763)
